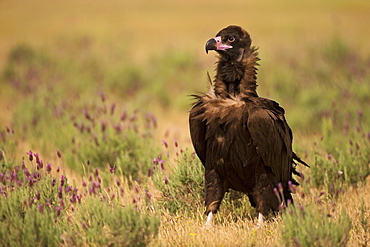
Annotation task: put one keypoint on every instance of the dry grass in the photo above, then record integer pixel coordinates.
(180, 231)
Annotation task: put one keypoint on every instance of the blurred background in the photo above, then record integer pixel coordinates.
(148, 56)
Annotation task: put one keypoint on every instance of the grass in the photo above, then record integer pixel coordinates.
(94, 142)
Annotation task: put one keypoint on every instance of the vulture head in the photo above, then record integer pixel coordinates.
(231, 43)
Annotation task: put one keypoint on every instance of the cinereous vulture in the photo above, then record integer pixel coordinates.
(243, 140)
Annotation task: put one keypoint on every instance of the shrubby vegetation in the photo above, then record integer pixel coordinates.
(41, 206)
(106, 180)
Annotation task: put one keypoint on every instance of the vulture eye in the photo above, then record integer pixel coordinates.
(231, 39)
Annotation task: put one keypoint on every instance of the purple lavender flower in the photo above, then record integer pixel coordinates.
(41, 208)
(73, 198)
(103, 126)
(148, 195)
(112, 107)
(26, 172)
(48, 167)
(30, 155)
(102, 96)
(136, 189)
(62, 179)
(165, 144)
(155, 161)
(31, 182)
(57, 208)
(124, 116)
(40, 164)
(59, 154)
(280, 186)
(37, 158)
(60, 193)
(150, 172)
(165, 179)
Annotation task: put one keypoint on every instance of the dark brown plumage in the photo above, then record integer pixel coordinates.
(243, 140)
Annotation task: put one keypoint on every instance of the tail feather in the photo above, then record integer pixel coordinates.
(296, 161)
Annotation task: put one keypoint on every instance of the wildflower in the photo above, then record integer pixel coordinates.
(1, 155)
(38, 195)
(296, 243)
(30, 155)
(112, 169)
(96, 172)
(73, 198)
(60, 193)
(58, 169)
(103, 126)
(155, 161)
(102, 96)
(148, 195)
(165, 179)
(113, 106)
(57, 208)
(276, 192)
(292, 187)
(59, 154)
(150, 172)
(41, 208)
(53, 182)
(48, 167)
(37, 158)
(357, 146)
(40, 164)
(124, 116)
(62, 178)
(31, 181)
(26, 172)
(280, 186)
(118, 182)
(176, 144)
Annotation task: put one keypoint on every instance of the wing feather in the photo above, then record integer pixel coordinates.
(198, 131)
(273, 140)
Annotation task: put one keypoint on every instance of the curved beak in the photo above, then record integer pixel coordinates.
(216, 44)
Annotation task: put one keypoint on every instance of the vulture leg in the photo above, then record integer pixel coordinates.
(261, 220)
(265, 198)
(214, 193)
(209, 220)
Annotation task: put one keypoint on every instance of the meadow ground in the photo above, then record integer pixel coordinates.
(94, 140)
